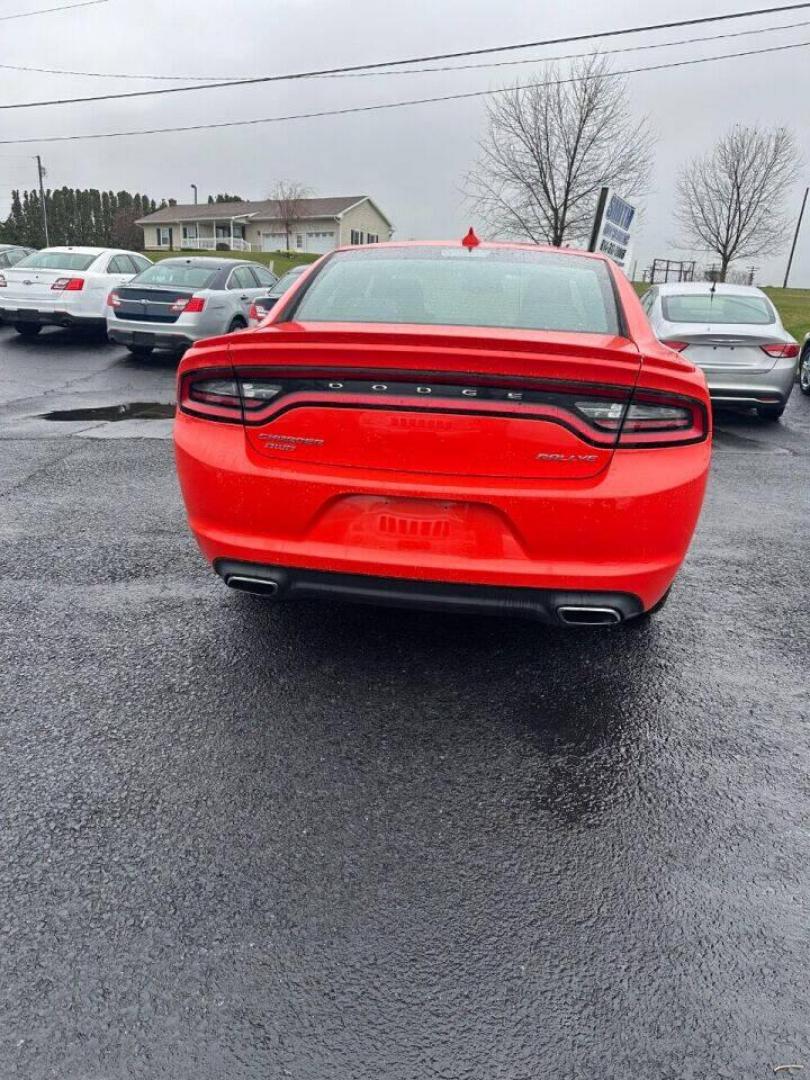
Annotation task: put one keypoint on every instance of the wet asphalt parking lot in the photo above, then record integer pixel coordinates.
(241, 841)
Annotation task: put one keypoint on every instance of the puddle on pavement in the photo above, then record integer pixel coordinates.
(131, 410)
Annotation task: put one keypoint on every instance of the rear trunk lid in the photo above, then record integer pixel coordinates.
(28, 286)
(500, 404)
(727, 350)
(141, 303)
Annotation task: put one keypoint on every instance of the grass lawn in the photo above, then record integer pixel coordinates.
(281, 260)
(793, 306)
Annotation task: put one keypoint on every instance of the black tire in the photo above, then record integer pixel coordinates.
(237, 324)
(770, 412)
(141, 351)
(27, 329)
(804, 372)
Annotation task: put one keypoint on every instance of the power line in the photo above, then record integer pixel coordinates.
(400, 104)
(47, 11)
(399, 63)
(414, 71)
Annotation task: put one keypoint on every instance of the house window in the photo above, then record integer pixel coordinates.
(299, 240)
(372, 238)
(164, 236)
(357, 236)
(189, 232)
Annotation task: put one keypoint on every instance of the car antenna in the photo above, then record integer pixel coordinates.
(470, 241)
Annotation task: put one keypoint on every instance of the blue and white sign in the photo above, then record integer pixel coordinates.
(614, 231)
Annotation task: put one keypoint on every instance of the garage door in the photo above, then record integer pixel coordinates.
(320, 241)
(274, 241)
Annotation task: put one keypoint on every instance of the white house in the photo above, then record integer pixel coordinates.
(319, 225)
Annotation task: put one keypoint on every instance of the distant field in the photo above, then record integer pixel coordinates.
(280, 259)
(793, 306)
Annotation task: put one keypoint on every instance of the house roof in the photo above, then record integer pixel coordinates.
(265, 209)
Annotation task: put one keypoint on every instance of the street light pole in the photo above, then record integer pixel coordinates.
(195, 193)
(41, 173)
(795, 239)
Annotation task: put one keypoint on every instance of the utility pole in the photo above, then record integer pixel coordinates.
(41, 173)
(795, 239)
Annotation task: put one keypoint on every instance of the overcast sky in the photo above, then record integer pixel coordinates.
(411, 161)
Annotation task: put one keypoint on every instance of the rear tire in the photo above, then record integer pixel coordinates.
(804, 372)
(770, 412)
(141, 351)
(237, 324)
(27, 329)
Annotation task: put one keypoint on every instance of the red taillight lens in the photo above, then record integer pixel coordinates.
(113, 300)
(678, 346)
(64, 284)
(779, 351)
(212, 394)
(252, 312)
(654, 419)
(189, 307)
(650, 419)
(217, 395)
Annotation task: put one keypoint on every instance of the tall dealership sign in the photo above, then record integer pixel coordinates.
(613, 227)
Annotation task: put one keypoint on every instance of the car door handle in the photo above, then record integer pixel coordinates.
(244, 296)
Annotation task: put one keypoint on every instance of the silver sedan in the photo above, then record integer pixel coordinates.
(734, 334)
(176, 302)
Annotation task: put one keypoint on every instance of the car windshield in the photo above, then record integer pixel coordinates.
(184, 275)
(56, 260)
(284, 283)
(718, 308)
(450, 286)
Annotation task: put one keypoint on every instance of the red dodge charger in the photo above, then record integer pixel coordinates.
(457, 426)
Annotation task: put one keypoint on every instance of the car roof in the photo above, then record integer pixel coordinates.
(205, 261)
(669, 288)
(86, 250)
(579, 253)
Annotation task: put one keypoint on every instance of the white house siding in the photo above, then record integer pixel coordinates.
(317, 235)
(364, 219)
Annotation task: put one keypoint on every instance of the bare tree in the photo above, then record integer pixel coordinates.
(288, 197)
(731, 202)
(550, 147)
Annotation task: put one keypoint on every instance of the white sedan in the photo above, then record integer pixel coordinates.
(65, 286)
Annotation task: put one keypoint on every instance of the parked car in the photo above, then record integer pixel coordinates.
(421, 425)
(64, 286)
(804, 366)
(263, 305)
(733, 333)
(178, 301)
(10, 254)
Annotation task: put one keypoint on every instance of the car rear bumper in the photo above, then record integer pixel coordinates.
(736, 388)
(155, 336)
(625, 531)
(48, 317)
(555, 607)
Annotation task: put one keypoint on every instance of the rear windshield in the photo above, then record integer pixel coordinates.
(181, 274)
(56, 260)
(720, 308)
(437, 286)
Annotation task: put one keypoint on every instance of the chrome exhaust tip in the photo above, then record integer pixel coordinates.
(583, 615)
(257, 586)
